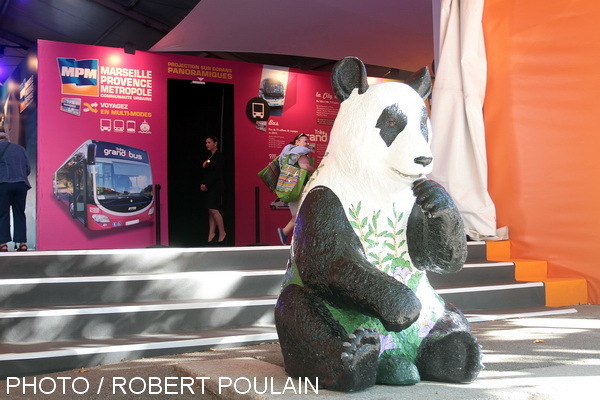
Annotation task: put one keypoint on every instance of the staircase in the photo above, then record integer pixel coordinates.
(72, 309)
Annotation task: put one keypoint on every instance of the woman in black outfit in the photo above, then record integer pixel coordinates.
(212, 185)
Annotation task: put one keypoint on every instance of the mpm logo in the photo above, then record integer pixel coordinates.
(78, 77)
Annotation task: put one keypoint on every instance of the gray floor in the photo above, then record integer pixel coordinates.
(550, 357)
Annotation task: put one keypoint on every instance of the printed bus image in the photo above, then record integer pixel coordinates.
(106, 185)
(272, 91)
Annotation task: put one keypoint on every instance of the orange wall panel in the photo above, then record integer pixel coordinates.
(542, 120)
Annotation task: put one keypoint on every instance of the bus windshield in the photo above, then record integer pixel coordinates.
(273, 88)
(121, 178)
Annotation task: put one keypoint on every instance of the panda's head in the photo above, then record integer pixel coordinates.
(381, 131)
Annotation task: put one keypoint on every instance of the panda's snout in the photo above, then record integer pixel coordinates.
(424, 161)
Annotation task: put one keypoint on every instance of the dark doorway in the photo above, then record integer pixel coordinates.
(196, 111)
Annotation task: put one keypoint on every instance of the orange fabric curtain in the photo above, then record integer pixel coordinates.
(542, 119)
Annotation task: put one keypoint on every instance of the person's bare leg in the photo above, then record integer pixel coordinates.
(289, 228)
(218, 220)
(211, 226)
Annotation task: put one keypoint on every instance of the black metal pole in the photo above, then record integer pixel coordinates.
(257, 217)
(157, 212)
(257, 212)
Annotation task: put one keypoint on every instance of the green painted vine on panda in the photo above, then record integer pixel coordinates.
(384, 241)
(316, 172)
(382, 245)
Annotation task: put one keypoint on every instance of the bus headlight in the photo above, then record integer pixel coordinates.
(101, 219)
(151, 211)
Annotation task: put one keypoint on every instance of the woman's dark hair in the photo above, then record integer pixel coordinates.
(298, 137)
(213, 138)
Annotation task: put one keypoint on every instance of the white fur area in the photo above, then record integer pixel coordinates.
(357, 153)
(374, 183)
(359, 165)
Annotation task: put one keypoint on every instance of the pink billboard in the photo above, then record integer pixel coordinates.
(101, 136)
(112, 126)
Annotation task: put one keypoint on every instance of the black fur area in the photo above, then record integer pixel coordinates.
(333, 267)
(450, 353)
(390, 123)
(331, 261)
(423, 124)
(313, 344)
(435, 232)
(348, 74)
(420, 81)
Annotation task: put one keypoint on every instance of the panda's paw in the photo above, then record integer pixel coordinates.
(396, 369)
(359, 360)
(411, 311)
(455, 357)
(433, 199)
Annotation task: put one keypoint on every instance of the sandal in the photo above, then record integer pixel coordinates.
(3, 247)
(22, 247)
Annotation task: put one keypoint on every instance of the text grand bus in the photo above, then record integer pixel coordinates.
(106, 185)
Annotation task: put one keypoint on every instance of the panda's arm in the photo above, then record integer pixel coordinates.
(331, 261)
(435, 232)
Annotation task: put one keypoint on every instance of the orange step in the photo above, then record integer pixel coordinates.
(560, 292)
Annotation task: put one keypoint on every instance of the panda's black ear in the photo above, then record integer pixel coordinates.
(421, 82)
(348, 74)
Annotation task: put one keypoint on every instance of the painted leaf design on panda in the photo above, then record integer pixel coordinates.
(414, 280)
(360, 224)
(398, 219)
(363, 223)
(390, 223)
(383, 236)
(354, 215)
(316, 171)
(356, 222)
(389, 257)
(382, 247)
(374, 219)
(373, 243)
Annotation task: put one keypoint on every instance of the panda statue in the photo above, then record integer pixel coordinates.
(356, 306)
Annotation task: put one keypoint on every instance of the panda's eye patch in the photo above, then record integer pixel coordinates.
(391, 122)
(424, 131)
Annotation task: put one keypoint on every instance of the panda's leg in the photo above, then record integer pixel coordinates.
(396, 369)
(450, 353)
(315, 345)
